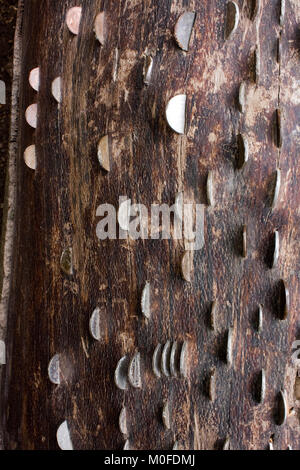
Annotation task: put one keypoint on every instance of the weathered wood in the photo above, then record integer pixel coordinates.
(48, 311)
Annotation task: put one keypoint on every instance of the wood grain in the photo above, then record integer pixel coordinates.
(48, 312)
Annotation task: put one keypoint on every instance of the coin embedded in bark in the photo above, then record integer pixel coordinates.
(183, 29)
(179, 206)
(63, 437)
(229, 346)
(124, 215)
(31, 115)
(174, 359)
(210, 189)
(95, 325)
(34, 78)
(2, 353)
(187, 266)
(156, 361)
(73, 19)
(213, 314)
(30, 157)
(100, 27)
(276, 243)
(126, 445)
(2, 92)
(134, 371)
(183, 359)
(103, 153)
(277, 186)
(54, 370)
(175, 113)
(282, 12)
(226, 445)
(145, 302)
(123, 422)
(147, 71)
(56, 89)
(165, 359)
(121, 380)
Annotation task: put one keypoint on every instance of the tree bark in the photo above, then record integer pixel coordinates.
(45, 311)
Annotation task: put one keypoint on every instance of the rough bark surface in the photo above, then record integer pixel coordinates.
(7, 22)
(48, 312)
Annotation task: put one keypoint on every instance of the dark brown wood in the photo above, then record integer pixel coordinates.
(48, 312)
(7, 22)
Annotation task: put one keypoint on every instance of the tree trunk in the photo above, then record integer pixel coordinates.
(233, 325)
